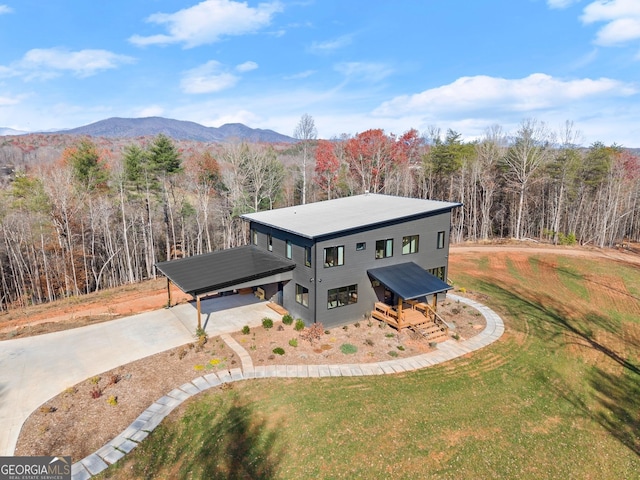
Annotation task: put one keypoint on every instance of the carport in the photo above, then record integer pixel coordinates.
(231, 269)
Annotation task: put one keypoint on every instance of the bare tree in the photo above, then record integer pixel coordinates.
(305, 132)
(529, 152)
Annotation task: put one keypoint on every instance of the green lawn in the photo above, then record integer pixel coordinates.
(557, 397)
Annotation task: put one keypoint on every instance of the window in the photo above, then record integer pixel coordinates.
(339, 297)
(254, 237)
(289, 249)
(302, 295)
(307, 256)
(269, 242)
(410, 244)
(437, 272)
(384, 248)
(361, 246)
(333, 256)
(440, 239)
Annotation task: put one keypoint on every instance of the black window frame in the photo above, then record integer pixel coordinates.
(302, 295)
(307, 256)
(333, 256)
(288, 252)
(386, 243)
(409, 239)
(361, 246)
(441, 237)
(269, 242)
(342, 296)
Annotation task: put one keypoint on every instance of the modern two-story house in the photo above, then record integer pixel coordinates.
(337, 261)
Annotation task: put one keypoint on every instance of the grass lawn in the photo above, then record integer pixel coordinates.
(557, 397)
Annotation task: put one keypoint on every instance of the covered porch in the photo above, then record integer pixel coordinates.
(411, 285)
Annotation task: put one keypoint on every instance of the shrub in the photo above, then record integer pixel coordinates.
(348, 349)
(114, 378)
(299, 326)
(393, 353)
(95, 380)
(70, 391)
(313, 333)
(369, 342)
(246, 330)
(456, 336)
(267, 323)
(401, 348)
(197, 368)
(200, 332)
(389, 335)
(96, 392)
(47, 409)
(214, 361)
(112, 400)
(357, 324)
(345, 327)
(462, 290)
(287, 319)
(182, 353)
(278, 351)
(280, 328)
(293, 342)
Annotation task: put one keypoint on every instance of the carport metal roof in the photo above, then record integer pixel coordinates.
(226, 269)
(409, 280)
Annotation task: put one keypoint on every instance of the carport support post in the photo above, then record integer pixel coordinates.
(198, 308)
(169, 292)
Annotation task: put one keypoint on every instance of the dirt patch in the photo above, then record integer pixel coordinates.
(75, 423)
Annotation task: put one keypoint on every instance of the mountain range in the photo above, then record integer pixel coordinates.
(177, 129)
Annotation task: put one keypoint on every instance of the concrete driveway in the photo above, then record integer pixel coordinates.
(34, 369)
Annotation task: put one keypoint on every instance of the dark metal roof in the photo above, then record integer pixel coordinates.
(223, 269)
(408, 280)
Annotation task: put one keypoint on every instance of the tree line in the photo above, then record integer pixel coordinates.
(97, 218)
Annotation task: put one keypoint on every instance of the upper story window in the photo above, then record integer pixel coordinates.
(307, 256)
(441, 239)
(410, 244)
(254, 237)
(361, 246)
(269, 242)
(333, 256)
(384, 248)
(289, 251)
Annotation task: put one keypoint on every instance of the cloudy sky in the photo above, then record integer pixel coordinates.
(350, 64)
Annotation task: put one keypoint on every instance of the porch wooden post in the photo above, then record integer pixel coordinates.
(400, 311)
(198, 308)
(169, 291)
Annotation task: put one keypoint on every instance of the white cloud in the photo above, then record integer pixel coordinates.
(4, 101)
(240, 116)
(621, 18)
(150, 111)
(331, 45)
(246, 66)
(5, 9)
(560, 4)
(207, 78)
(533, 93)
(299, 75)
(363, 70)
(208, 21)
(47, 63)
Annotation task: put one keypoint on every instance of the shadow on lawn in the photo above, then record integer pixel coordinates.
(618, 395)
(213, 441)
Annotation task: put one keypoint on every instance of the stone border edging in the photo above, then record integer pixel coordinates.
(153, 416)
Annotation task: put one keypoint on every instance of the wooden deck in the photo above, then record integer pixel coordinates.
(419, 317)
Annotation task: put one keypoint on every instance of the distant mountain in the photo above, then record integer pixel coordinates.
(11, 131)
(176, 129)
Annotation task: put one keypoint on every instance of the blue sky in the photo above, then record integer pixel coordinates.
(350, 64)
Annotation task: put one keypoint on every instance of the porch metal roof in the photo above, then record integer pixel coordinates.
(408, 280)
(224, 269)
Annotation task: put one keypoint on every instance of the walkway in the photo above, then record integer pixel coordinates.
(34, 369)
(153, 416)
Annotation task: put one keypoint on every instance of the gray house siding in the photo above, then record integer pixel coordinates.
(356, 264)
(319, 279)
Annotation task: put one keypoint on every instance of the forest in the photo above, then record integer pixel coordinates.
(85, 214)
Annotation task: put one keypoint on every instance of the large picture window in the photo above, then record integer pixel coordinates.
(339, 297)
(384, 248)
(333, 256)
(302, 295)
(410, 244)
(440, 239)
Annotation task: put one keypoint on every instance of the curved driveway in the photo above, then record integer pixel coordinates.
(34, 369)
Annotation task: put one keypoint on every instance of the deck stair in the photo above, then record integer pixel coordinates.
(431, 331)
